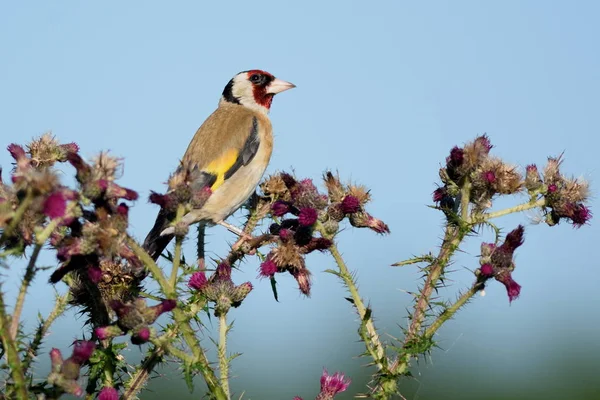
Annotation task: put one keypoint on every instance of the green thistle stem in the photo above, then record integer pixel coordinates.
(449, 312)
(60, 304)
(12, 355)
(222, 353)
(176, 263)
(371, 338)
(149, 263)
(521, 207)
(27, 278)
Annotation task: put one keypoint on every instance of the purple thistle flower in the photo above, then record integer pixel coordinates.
(56, 358)
(456, 157)
(552, 188)
(163, 200)
(55, 205)
(308, 216)
(513, 289)
(439, 194)
(487, 270)
(70, 147)
(332, 384)
(484, 142)
(280, 208)
(198, 280)
(82, 351)
(513, 240)
(108, 332)
(17, 152)
(302, 276)
(141, 336)
(166, 305)
(377, 225)
(489, 176)
(350, 204)
(94, 274)
(268, 268)
(579, 214)
(285, 234)
(223, 271)
(108, 393)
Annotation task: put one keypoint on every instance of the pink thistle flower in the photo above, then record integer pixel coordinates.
(55, 205)
(108, 393)
(280, 208)
(308, 216)
(141, 336)
(70, 147)
(163, 200)
(198, 280)
(484, 142)
(108, 332)
(579, 214)
(285, 234)
(350, 204)
(82, 351)
(552, 188)
(223, 271)
(377, 225)
(332, 384)
(439, 194)
(94, 274)
(456, 157)
(487, 270)
(166, 305)
(123, 210)
(513, 240)
(56, 358)
(268, 268)
(302, 276)
(489, 176)
(17, 152)
(513, 289)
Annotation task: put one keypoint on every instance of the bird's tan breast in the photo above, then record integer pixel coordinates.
(227, 128)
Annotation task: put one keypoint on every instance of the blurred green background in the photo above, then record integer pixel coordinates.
(385, 89)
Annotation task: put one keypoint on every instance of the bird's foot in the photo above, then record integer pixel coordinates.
(244, 237)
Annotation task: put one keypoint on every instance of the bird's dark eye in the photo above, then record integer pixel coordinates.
(257, 79)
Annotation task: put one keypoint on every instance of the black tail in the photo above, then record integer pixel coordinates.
(154, 243)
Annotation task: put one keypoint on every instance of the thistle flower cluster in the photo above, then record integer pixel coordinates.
(87, 226)
(488, 175)
(64, 373)
(565, 197)
(299, 208)
(34, 181)
(497, 262)
(331, 385)
(188, 187)
(219, 289)
(135, 318)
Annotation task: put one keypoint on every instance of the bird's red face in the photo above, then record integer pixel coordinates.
(254, 89)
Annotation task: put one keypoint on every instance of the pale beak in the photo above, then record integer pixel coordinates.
(278, 86)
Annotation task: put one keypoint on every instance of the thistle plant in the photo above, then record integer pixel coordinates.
(106, 272)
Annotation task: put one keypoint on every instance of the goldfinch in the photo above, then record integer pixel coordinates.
(231, 150)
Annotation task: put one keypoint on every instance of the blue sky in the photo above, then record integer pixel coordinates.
(384, 90)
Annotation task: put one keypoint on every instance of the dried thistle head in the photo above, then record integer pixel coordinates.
(46, 150)
(107, 167)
